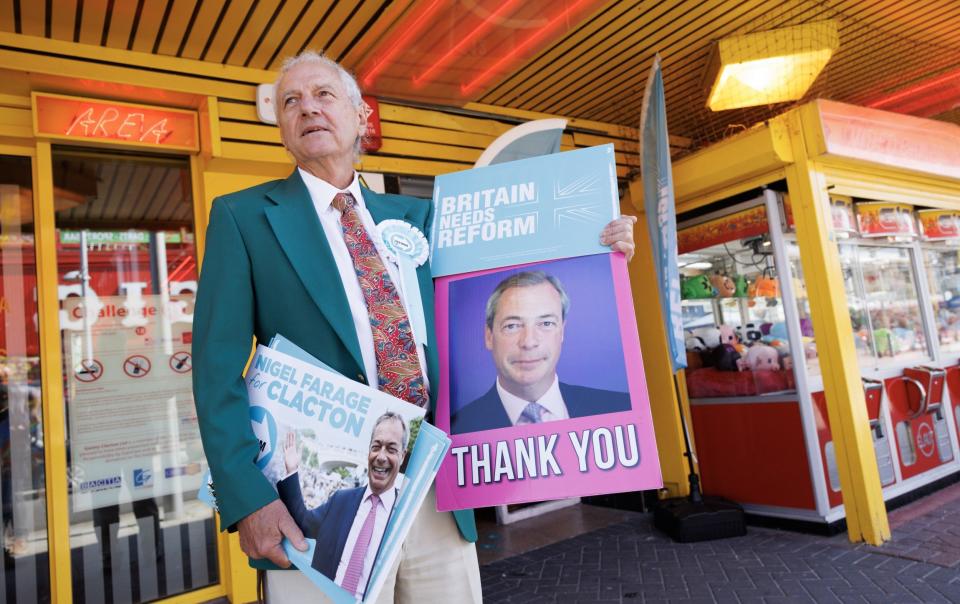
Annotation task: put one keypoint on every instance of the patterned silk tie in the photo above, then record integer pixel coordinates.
(351, 578)
(531, 414)
(398, 364)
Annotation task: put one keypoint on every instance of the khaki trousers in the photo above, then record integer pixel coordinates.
(435, 565)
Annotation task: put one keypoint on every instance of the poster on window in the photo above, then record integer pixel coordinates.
(133, 425)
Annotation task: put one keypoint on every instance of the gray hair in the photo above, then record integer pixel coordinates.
(388, 416)
(526, 279)
(346, 78)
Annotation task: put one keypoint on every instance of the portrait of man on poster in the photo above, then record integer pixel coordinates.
(525, 317)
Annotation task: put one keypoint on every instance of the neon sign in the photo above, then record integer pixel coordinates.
(72, 118)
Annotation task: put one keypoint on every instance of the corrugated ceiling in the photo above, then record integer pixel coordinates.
(593, 66)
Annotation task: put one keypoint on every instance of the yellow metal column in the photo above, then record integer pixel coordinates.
(656, 354)
(51, 363)
(846, 408)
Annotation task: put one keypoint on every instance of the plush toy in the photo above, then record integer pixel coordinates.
(885, 341)
(764, 287)
(723, 284)
(695, 343)
(710, 336)
(749, 333)
(729, 337)
(741, 286)
(695, 288)
(760, 357)
(725, 357)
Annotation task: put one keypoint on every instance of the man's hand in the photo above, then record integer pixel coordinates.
(291, 456)
(618, 234)
(262, 531)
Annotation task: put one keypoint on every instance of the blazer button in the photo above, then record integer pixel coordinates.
(360, 378)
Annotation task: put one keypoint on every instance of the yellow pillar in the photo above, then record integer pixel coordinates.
(651, 325)
(846, 408)
(55, 438)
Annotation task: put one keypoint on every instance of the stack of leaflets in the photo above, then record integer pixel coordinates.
(319, 440)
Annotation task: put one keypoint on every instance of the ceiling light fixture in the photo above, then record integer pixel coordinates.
(767, 67)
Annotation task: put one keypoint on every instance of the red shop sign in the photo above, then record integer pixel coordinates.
(73, 118)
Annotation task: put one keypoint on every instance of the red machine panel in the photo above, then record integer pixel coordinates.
(754, 453)
(873, 395)
(825, 438)
(919, 425)
(953, 387)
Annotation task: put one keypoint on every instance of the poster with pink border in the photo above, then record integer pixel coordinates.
(561, 333)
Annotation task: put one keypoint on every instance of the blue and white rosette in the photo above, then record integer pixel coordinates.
(406, 246)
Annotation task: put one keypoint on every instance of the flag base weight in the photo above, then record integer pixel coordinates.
(686, 521)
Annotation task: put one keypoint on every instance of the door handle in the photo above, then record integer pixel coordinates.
(922, 407)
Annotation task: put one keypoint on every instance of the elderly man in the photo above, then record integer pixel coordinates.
(525, 318)
(300, 257)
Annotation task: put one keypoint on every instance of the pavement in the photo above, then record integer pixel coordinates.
(627, 560)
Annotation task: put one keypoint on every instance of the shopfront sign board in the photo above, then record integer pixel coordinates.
(94, 120)
(890, 139)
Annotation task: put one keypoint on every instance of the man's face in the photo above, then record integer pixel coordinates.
(317, 120)
(385, 456)
(526, 338)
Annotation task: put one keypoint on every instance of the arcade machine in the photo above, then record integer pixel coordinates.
(754, 381)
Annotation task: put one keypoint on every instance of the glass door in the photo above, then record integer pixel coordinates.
(127, 276)
(23, 531)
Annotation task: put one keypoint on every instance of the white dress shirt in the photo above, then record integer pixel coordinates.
(551, 401)
(387, 499)
(322, 194)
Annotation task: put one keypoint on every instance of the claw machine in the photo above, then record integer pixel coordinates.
(756, 379)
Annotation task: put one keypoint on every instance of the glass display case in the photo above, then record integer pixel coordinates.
(942, 264)
(733, 312)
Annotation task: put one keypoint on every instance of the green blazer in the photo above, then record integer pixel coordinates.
(268, 269)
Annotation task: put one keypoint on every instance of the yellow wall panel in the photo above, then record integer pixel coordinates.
(429, 151)
(63, 20)
(91, 26)
(176, 26)
(358, 20)
(227, 29)
(275, 35)
(121, 22)
(32, 18)
(16, 122)
(261, 133)
(298, 37)
(262, 10)
(413, 115)
(238, 111)
(403, 165)
(435, 135)
(204, 26)
(149, 25)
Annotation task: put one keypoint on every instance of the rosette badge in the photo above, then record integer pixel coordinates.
(403, 241)
(406, 246)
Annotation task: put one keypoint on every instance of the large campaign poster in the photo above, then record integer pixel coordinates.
(133, 424)
(341, 455)
(542, 386)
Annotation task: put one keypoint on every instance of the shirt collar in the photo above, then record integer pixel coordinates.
(386, 498)
(322, 192)
(551, 400)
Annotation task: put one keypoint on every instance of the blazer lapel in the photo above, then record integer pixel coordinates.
(295, 222)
